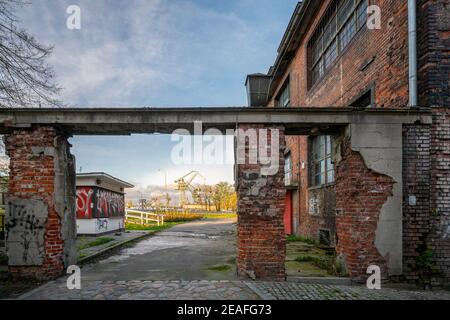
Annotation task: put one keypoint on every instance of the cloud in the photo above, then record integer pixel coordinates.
(143, 52)
(155, 52)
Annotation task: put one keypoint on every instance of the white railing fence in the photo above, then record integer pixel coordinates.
(142, 217)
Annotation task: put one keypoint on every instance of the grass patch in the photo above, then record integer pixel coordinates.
(149, 227)
(219, 215)
(304, 258)
(220, 268)
(292, 238)
(326, 263)
(96, 242)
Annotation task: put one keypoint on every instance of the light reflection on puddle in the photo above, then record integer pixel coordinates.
(160, 242)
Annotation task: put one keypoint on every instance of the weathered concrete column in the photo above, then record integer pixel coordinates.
(261, 239)
(40, 213)
(369, 198)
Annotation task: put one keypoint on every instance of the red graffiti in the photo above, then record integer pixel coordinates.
(85, 202)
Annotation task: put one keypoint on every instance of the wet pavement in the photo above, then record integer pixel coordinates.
(200, 250)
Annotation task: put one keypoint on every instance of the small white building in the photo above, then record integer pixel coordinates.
(100, 203)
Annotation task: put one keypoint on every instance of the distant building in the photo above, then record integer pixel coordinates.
(100, 203)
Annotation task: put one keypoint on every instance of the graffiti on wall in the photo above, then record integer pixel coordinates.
(101, 225)
(84, 202)
(109, 204)
(25, 229)
(99, 203)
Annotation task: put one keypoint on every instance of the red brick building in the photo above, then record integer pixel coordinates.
(329, 57)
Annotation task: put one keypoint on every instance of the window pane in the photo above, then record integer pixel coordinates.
(330, 176)
(362, 13)
(284, 99)
(344, 11)
(322, 166)
(329, 32)
(316, 50)
(321, 147)
(328, 151)
(330, 55)
(347, 33)
(317, 72)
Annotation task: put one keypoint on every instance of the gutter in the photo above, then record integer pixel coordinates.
(412, 46)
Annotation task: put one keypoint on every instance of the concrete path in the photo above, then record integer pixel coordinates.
(200, 250)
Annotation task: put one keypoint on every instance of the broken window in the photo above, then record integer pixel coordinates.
(321, 165)
(339, 25)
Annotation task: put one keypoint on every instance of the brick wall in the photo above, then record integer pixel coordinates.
(32, 177)
(352, 74)
(360, 194)
(440, 190)
(386, 74)
(433, 49)
(261, 238)
(434, 91)
(416, 196)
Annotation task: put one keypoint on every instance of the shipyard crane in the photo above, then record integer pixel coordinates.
(184, 184)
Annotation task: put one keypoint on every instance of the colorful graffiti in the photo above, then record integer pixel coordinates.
(95, 202)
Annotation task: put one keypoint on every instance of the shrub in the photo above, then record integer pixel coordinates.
(181, 217)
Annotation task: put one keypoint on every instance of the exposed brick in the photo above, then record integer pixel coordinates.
(261, 240)
(27, 173)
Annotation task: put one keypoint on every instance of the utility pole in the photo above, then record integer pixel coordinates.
(165, 187)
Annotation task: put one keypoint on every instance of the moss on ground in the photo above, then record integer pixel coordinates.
(305, 259)
(220, 268)
(97, 242)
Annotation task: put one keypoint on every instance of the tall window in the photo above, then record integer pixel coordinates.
(321, 166)
(284, 99)
(288, 170)
(339, 25)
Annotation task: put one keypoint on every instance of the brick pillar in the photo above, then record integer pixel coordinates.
(40, 216)
(439, 239)
(416, 196)
(261, 238)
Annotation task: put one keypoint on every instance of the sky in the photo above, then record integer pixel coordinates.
(139, 53)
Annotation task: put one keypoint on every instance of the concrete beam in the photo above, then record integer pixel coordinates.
(124, 121)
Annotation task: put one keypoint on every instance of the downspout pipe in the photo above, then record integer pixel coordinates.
(412, 44)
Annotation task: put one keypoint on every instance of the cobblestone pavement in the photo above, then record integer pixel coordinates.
(300, 291)
(145, 290)
(220, 290)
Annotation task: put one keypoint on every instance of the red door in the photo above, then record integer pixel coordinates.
(288, 213)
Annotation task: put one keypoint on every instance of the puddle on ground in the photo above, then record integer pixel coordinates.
(187, 235)
(162, 241)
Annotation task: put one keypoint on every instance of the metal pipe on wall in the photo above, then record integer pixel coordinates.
(412, 44)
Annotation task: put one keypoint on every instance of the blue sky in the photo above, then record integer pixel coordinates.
(155, 53)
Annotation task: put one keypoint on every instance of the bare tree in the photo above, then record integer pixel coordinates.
(26, 80)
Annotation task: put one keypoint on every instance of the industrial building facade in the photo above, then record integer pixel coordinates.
(330, 56)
